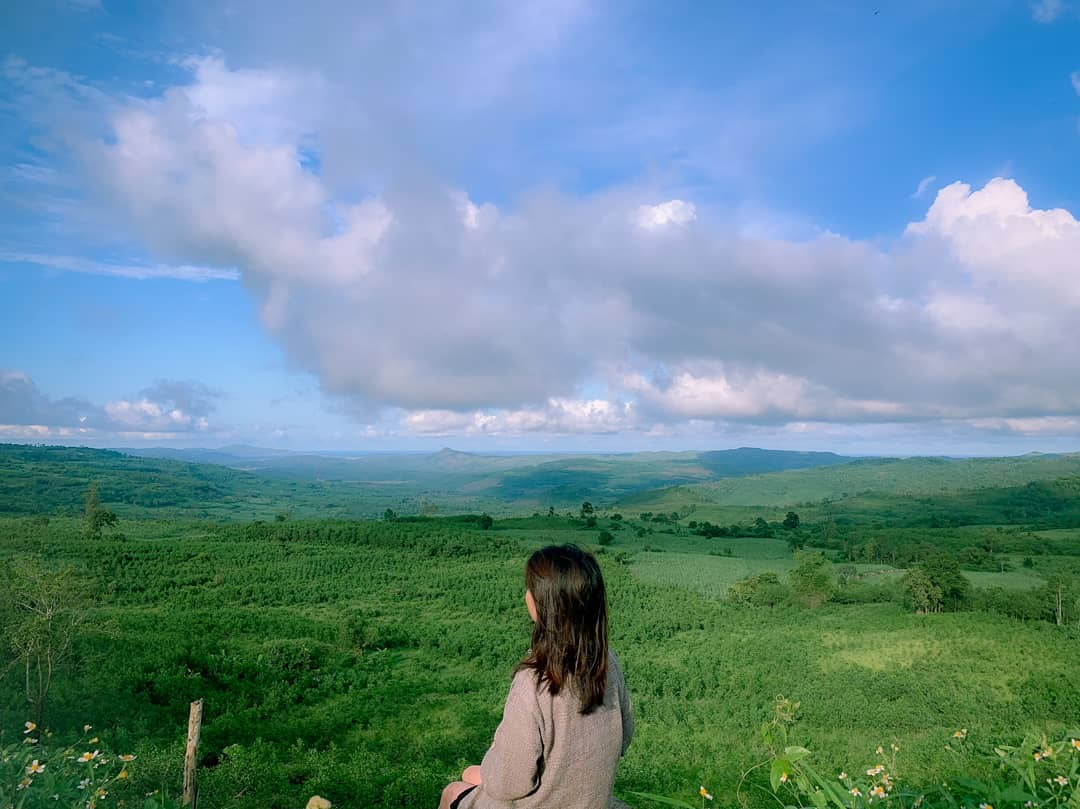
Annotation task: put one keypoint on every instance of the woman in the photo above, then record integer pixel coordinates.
(567, 718)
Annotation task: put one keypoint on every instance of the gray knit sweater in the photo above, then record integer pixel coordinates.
(546, 755)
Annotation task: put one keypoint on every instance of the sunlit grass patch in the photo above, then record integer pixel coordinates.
(877, 650)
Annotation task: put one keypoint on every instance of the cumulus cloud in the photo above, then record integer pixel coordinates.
(419, 298)
(473, 317)
(563, 416)
(1075, 79)
(166, 409)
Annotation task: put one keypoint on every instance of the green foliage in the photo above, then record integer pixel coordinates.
(332, 652)
(605, 537)
(37, 771)
(1037, 772)
(760, 590)
(41, 611)
(937, 584)
(811, 581)
(97, 517)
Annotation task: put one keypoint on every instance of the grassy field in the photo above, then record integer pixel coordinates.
(368, 661)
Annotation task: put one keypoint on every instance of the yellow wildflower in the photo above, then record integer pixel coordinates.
(123, 774)
(1075, 743)
(87, 728)
(855, 791)
(783, 777)
(843, 776)
(126, 758)
(878, 791)
(35, 768)
(95, 740)
(30, 727)
(1062, 781)
(986, 806)
(23, 784)
(88, 756)
(879, 750)
(101, 793)
(704, 793)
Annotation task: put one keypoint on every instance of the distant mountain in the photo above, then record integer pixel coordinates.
(221, 484)
(752, 461)
(225, 456)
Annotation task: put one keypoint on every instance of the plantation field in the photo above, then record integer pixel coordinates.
(709, 576)
(368, 661)
(712, 576)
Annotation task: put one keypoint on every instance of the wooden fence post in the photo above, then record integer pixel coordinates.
(194, 728)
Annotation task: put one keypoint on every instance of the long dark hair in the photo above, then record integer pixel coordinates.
(570, 636)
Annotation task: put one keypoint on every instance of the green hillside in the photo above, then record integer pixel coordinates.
(246, 483)
(909, 476)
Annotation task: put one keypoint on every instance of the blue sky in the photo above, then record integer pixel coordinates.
(570, 225)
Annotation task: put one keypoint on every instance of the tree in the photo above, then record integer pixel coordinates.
(587, 510)
(389, 515)
(486, 521)
(551, 511)
(936, 584)
(97, 517)
(920, 592)
(811, 580)
(791, 521)
(41, 612)
(760, 590)
(945, 573)
(605, 538)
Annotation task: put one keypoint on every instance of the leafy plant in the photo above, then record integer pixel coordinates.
(35, 774)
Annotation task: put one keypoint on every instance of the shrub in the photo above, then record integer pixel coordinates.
(36, 773)
(760, 590)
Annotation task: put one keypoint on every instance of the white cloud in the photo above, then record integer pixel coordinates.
(1000, 238)
(420, 299)
(1046, 11)
(672, 212)
(924, 184)
(557, 416)
(1075, 79)
(168, 408)
(137, 271)
(493, 319)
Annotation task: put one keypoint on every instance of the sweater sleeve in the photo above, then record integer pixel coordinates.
(624, 708)
(511, 767)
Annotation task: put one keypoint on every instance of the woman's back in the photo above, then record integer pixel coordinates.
(547, 754)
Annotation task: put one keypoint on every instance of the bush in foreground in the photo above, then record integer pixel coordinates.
(35, 773)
